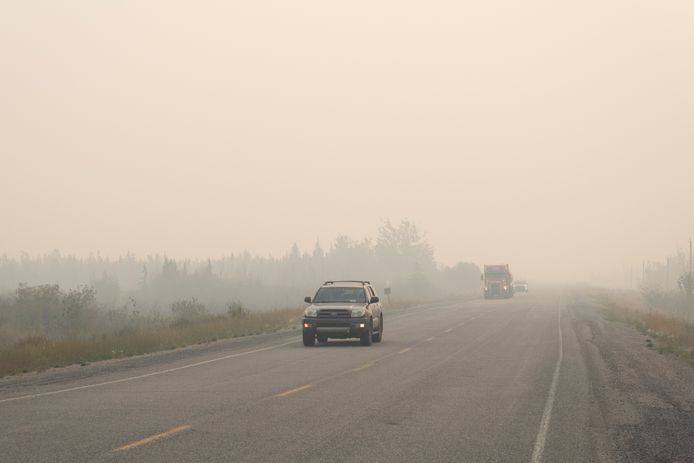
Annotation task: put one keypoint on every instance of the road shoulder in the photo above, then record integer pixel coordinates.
(646, 399)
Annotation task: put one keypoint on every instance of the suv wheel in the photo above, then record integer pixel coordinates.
(366, 338)
(378, 336)
(309, 340)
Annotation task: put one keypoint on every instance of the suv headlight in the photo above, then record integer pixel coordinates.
(360, 312)
(311, 312)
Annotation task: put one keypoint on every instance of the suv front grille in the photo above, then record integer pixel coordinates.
(334, 313)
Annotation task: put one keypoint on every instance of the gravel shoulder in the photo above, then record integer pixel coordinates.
(645, 399)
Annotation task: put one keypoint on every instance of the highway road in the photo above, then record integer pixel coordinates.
(540, 377)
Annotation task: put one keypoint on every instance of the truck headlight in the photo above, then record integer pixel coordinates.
(311, 312)
(360, 312)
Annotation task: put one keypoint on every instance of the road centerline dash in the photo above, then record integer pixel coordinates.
(364, 367)
(293, 391)
(153, 438)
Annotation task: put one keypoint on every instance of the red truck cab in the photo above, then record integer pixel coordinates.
(498, 281)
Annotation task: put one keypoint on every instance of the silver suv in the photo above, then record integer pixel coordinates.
(343, 309)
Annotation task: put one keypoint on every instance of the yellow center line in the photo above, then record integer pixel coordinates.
(293, 391)
(364, 367)
(153, 438)
(353, 370)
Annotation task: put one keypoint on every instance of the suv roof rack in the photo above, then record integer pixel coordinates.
(331, 282)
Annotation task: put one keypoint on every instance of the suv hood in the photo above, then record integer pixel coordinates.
(337, 306)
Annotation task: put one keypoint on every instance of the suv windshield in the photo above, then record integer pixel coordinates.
(333, 294)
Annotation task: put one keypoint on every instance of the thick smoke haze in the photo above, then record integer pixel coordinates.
(555, 136)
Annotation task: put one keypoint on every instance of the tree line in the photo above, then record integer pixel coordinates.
(399, 257)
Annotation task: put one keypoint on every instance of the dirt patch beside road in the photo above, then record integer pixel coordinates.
(646, 398)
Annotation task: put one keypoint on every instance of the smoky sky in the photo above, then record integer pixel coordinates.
(555, 136)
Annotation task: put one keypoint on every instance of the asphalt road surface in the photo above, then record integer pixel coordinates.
(540, 377)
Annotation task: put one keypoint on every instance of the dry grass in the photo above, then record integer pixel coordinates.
(672, 333)
(40, 353)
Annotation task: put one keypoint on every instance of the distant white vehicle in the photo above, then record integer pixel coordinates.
(520, 286)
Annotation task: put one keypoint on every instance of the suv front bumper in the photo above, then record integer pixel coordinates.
(335, 327)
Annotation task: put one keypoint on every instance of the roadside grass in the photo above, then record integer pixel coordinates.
(39, 353)
(672, 334)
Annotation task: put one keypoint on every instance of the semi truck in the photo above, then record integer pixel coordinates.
(498, 281)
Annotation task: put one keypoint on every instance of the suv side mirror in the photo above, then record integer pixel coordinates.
(374, 300)
(307, 300)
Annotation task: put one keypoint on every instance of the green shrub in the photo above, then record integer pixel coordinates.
(187, 310)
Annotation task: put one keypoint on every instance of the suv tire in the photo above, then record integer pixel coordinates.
(366, 338)
(378, 336)
(309, 340)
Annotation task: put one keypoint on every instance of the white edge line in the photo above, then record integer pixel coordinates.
(547, 413)
(147, 375)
